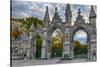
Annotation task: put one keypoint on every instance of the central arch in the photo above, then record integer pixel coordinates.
(85, 29)
(56, 43)
(49, 37)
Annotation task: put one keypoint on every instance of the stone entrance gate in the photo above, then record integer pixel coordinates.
(68, 31)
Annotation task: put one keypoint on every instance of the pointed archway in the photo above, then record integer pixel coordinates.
(81, 49)
(57, 43)
(51, 30)
(38, 45)
(80, 44)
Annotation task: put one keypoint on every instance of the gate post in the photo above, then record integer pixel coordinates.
(43, 51)
(66, 50)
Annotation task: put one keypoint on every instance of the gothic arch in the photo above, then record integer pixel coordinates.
(80, 27)
(34, 36)
(33, 43)
(51, 29)
(86, 30)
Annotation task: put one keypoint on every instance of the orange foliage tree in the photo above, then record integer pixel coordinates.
(15, 34)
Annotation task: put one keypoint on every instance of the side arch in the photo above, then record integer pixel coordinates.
(86, 30)
(33, 44)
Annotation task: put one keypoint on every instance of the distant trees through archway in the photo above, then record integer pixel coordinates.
(80, 44)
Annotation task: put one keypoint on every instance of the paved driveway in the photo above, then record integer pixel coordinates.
(20, 63)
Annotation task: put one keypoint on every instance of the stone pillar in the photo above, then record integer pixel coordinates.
(48, 55)
(32, 49)
(66, 50)
(45, 44)
(92, 48)
(89, 51)
(92, 51)
(43, 51)
(48, 49)
(71, 51)
(28, 53)
(32, 45)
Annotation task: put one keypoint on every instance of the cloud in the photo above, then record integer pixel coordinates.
(81, 36)
(20, 9)
(26, 9)
(30, 8)
(85, 10)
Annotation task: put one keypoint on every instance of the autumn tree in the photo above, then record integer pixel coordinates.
(15, 33)
(57, 46)
(26, 23)
(79, 48)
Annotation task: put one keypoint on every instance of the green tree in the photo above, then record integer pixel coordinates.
(28, 21)
(79, 48)
(38, 46)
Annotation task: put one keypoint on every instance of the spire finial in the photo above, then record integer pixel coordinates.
(55, 9)
(92, 12)
(46, 17)
(46, 7)
(79, 12)
(68, 10)
(91, 6)
(68, 14)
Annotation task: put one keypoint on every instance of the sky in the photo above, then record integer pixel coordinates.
(23, 9)
(81, 36)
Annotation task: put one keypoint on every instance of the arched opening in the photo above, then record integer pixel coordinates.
(38, 45)
(56, 43)
(80, 43)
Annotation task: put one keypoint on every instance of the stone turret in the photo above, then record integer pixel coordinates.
(68, 14)
(46, 18)
(93, 41)
(92, 13)
(92, 18)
